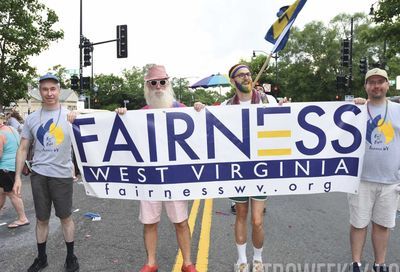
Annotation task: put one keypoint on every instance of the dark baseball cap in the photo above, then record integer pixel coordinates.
(49, 76)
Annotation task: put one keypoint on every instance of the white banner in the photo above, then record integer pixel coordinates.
(222, 151)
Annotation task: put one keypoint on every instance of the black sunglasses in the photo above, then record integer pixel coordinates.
(154, 82)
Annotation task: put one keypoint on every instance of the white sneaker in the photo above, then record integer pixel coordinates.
(257, 266)
(243, 267)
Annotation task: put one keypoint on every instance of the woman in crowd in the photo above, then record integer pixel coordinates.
(15, 120)
(9, 141)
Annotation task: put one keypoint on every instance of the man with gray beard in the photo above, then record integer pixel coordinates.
(158, 93)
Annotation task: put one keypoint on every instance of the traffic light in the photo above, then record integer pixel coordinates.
(87, 53)
(338, 97)
(342, 82)
(122, 41)
(345, 53)
(74, 82)
(363, 65)
(86, 83)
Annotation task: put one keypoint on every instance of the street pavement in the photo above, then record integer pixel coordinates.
(303, 233)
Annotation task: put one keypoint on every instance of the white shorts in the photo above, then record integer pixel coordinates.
(150, 211)
(376, 202)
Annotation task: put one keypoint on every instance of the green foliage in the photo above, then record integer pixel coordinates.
(113, 90)
(206, 96)
(62, 73)
(132, 88)
(308, 66)
(181, 90)
(26, 29)
(305, 70)
(387, 16)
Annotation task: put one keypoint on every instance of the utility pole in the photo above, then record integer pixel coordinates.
(276, 67)
(80, 50)
(344, 80)
(86, 49)
(351, 58)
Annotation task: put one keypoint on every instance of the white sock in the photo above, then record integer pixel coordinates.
(241, 249)
(257, 254)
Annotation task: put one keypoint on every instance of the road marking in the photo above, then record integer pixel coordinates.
(192, 221)
(204, 241)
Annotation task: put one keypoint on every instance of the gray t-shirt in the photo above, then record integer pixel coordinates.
(382, 149)
(52, 142)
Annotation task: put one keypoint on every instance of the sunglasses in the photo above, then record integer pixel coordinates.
(162, 82)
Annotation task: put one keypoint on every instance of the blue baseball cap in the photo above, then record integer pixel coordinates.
(48, 76)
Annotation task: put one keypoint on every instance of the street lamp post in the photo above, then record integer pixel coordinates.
(371, 9)
(383, 57)
(125, 102)
(276, 67)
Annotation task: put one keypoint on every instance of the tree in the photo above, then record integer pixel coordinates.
(310, 62)
(387, 16)
(206, 97)
(181, 90)
(109, 95)
(25, 30)
(133, 87)
(62, 73)
(113, 90)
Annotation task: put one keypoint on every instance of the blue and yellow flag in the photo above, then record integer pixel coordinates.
(278, 34)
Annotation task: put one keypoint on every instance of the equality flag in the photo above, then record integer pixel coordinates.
(278, 34)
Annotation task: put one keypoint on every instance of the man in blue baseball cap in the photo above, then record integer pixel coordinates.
(49, 76)
(51, 180)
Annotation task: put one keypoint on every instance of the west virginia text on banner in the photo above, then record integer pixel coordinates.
(178, 153)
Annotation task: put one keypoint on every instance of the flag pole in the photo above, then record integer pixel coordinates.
(274, 50)
(265, 66)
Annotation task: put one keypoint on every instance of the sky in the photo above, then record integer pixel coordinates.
(192, 38)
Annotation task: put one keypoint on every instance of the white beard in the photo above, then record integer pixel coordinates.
(158, 99)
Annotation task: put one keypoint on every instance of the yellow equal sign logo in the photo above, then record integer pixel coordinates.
(274, 134)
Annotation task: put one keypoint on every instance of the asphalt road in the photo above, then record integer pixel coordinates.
(302, 233)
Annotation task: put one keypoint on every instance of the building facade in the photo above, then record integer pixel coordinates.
(68, 98)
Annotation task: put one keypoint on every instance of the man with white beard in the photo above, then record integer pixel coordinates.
(158, 93)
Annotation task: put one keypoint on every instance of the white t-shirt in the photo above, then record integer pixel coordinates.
(382, 147)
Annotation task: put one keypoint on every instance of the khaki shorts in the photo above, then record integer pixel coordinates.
(376, 202)
(47, 191)
(150, 211)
